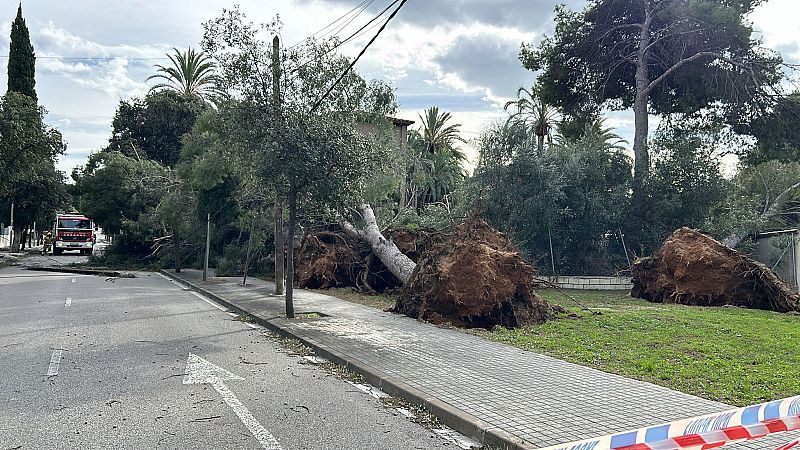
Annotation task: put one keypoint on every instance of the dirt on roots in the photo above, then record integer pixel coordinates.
(692, 268)
(473, 277)
(333, 258)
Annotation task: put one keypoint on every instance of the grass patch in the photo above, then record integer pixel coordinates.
(733, 355)
(379, 301)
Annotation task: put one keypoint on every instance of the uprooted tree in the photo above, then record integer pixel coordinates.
(469, 276)
(691, 268)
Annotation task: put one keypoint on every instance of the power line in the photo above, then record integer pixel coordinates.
(383, 27)
(95, 58)
(361, 31)
(344, 25)
(332, 23)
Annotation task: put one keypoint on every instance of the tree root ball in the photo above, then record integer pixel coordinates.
(473, 278)
(332, 258)
(692, 268)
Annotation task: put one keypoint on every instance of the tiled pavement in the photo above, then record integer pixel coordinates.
(539, 399)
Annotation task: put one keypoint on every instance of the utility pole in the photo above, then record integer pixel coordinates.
(278, 115)
(208, 246)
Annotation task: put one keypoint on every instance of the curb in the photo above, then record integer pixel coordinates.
(461, 421)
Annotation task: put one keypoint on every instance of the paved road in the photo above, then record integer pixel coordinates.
(90, 363)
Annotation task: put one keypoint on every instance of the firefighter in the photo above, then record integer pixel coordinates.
(48, 241)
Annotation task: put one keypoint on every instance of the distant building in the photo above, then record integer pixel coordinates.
(399, 132)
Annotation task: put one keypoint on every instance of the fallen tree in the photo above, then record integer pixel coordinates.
(472, 276)
(475, 278)
(331, 257)
(398, 263)
(692, 268)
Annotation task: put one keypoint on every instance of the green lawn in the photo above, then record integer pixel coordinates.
(733, 355)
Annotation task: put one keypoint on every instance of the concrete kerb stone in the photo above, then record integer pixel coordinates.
(451, 416)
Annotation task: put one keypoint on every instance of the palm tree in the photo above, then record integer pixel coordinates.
(191, 73)
(436, 133)
(601, 137)
(436, 167)
(533, 112)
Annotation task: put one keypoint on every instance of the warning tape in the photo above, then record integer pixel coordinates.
(704, 432)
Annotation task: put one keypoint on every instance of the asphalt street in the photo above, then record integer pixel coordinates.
(91, 362)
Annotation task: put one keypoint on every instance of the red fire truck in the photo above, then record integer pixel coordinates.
(73, 232)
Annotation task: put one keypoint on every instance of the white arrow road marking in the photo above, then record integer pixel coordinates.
(200, 371)
(68, 302)
(55, 361)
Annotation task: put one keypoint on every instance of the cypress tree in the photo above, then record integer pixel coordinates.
(21, 60)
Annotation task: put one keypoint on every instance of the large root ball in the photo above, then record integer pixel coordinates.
(473, 277)
(692, 268)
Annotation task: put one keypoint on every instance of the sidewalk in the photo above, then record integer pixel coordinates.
(500, 395)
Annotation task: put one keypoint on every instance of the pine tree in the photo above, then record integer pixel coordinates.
(21, 60)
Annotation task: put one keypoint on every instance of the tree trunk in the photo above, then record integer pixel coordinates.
(770, 211)
(641, 165)
(398, 263)
(290, 254)
(176, 243)
(15, 241)
(279, 249)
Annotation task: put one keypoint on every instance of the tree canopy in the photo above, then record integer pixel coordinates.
(654, 56)
(25, 141)
(21, 59)
(192, 73)
(155, 125)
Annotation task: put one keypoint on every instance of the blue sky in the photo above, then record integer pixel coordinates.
(460, 55)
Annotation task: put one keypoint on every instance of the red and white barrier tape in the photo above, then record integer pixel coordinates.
(704, 432)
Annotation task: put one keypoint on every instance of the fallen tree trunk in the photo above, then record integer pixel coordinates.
(398, 263)
(771, 210)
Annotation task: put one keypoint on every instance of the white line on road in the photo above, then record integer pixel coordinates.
(200, 371)
(266, 439)
(68, 302)
(55, 361)
(219, 307)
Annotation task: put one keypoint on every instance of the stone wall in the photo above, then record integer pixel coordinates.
(598, 283)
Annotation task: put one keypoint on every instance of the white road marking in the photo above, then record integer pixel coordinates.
(55, 361)
(73, 280)
(68, 302)
(166, 277)
(200, 371)
(221, 308)
(252, 325)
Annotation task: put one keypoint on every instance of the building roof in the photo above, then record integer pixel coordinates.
(400, 122)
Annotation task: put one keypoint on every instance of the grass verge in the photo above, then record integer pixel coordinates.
(733, 355)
